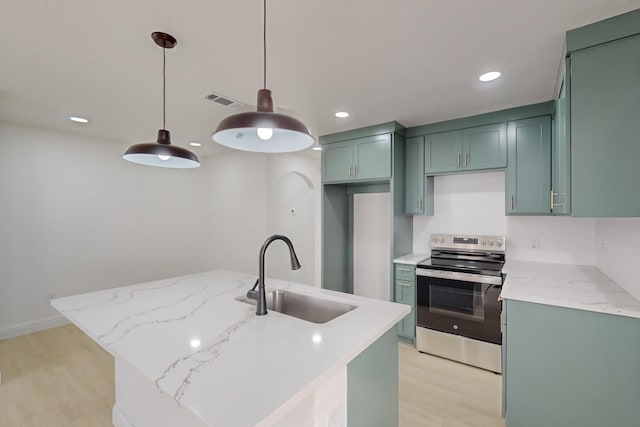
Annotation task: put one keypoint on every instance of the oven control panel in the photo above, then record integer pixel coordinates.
(455, 241)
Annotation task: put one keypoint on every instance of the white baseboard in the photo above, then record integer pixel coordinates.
(24, 328)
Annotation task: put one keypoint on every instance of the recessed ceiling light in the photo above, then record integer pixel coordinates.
(342, 114)
(78, 119)
(195, 144)
(491, 75)
(317, 148)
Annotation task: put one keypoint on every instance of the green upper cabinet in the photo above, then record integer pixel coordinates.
(418, 198)
(366, 158)
(372, 157)
(528, 176)
(485, 147)
(560, 197)
(604, 101)
(337, 162)
(443, 152)
(477, 148)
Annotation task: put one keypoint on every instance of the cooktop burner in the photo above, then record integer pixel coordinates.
(466, 254)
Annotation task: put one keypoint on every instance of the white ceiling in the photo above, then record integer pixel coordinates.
(413, 61)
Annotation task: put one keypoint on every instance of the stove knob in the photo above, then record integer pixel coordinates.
(434, 240)
(498, 243)
(490, 242)
(441, 240)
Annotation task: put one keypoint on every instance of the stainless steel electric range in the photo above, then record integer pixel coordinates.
(458, 307)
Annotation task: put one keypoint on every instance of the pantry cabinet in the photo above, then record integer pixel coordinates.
(528, 176)
(604, 113)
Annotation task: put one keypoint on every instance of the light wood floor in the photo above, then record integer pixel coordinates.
(60, 378)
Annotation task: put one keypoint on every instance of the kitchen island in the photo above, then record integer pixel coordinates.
(571, 345)
(188, 353)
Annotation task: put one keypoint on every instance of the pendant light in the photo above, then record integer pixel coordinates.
(263, 130)
(161, 153)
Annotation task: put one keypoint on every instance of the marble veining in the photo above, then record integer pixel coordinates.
(571, 286)
(192, 340)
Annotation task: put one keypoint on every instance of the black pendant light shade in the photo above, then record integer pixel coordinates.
(161, 153)
(243, 131)
(263, 130)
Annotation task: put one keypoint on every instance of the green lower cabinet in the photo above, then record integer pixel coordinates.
(528, 174)
(405, 293)
(372, 384)
(571, 368)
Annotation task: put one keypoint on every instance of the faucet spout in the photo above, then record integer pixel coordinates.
(260, 295)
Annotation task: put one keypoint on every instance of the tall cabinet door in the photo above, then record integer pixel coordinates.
(337, 164)
(604, 98)
(528, 175)
(414, 176)
(485, 147)
(443, 152)
(372, 157)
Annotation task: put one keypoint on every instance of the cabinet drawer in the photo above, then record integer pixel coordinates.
(406, 273)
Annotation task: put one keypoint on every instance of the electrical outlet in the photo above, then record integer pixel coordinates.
(534, 242)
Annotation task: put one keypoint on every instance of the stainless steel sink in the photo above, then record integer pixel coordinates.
(311, 309)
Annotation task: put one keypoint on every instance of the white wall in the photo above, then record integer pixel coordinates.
(618, 251)
(293, 209)
(474, 204)
(75, 217)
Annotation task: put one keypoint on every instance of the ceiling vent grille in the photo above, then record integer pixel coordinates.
(222, 100)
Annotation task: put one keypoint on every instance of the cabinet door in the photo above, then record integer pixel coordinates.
(604, 97)
(485, 147)
(372, 157)
(528, 176)
(443, 152)
(405, 294)
(560, 159)
(337, 162)
(414, 176)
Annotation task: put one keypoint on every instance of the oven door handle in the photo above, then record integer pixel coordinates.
(463, 277)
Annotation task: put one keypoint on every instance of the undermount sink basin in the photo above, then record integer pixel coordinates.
(311, 309)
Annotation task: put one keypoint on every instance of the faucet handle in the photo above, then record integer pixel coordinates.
(251, 294)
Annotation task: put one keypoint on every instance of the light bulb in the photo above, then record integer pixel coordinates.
(265, 134)
(162, 157)
(487, 77)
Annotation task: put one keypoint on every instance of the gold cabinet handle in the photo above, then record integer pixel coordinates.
(349, 170)
(466, 160)
(420, 205)
(355, 171)
(406, 270)
(458, 161)
(511, 202)
(408, 285)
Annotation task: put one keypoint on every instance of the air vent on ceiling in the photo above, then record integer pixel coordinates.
(225, 101)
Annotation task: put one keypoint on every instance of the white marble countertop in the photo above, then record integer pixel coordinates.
(572, 286)
(195, 342)
(412, 259)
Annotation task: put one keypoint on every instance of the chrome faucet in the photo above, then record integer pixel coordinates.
(260, 295)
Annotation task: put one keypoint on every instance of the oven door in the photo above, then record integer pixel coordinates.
(459, 303)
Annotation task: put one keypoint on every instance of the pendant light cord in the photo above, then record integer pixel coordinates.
(264, 43)
(164, 88)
